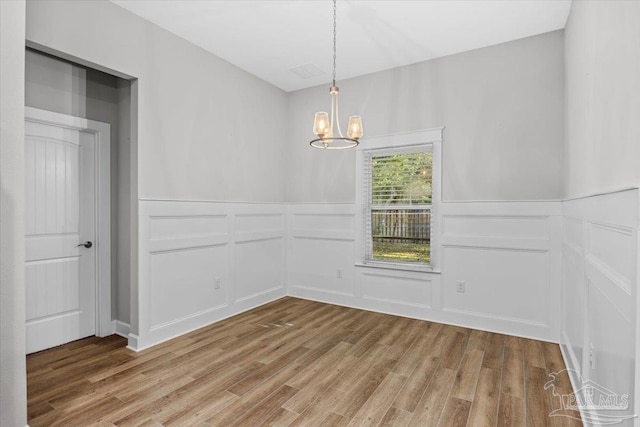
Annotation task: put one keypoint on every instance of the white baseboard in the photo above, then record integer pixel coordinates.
(573, 368)
(133, 342)
(481, 323)
(120, 328)
(197, 322)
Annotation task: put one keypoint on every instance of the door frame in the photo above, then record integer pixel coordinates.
(102, 171)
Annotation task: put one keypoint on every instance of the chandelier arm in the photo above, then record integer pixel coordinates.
(334, 143)
(333, 117)
(335, 103)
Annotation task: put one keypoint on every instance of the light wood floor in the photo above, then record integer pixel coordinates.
(297, 362)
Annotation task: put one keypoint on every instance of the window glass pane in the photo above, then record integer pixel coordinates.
(401, 235)
(401, 179)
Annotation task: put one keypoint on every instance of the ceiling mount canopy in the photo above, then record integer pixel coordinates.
(330, 136)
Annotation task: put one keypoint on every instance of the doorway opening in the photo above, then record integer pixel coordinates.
(70, 90)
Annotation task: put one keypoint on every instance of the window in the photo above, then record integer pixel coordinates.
(399, 190)
(399, 207)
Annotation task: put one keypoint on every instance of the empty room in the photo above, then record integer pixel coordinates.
(319, 213)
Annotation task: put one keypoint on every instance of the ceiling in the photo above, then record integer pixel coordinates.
(289, 42)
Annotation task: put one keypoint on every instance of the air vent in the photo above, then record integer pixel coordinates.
(306, 71)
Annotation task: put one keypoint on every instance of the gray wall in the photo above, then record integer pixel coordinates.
(13, 373)
(206, 129)
(502, 107)
(602, 97)
(55, 85)
(209, 131)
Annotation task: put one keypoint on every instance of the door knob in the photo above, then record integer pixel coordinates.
(86, 244)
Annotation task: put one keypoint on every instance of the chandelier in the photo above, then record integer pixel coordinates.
(329, 134)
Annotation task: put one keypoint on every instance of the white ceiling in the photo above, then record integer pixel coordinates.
(268, 38)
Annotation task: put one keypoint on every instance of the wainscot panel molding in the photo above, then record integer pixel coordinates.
(320, 251)
(201, 262)
(507, 253)
(599, 337)
(508, 256)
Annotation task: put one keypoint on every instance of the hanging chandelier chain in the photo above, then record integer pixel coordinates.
(334, 42)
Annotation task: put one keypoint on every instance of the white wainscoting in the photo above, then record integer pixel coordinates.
(599, 338)
(201, 262)
(508, 254)
(523, 264)
(320, 244)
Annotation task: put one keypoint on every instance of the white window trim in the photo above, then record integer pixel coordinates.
(411, 140)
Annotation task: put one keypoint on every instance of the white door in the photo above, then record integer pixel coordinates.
(60, 217)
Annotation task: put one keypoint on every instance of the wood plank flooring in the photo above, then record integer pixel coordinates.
(295, 362)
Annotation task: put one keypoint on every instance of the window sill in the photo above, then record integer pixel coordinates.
(399, 267)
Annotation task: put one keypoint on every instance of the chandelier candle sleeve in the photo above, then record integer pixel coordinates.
(327, 129)
(355, 127)
(321, 124)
